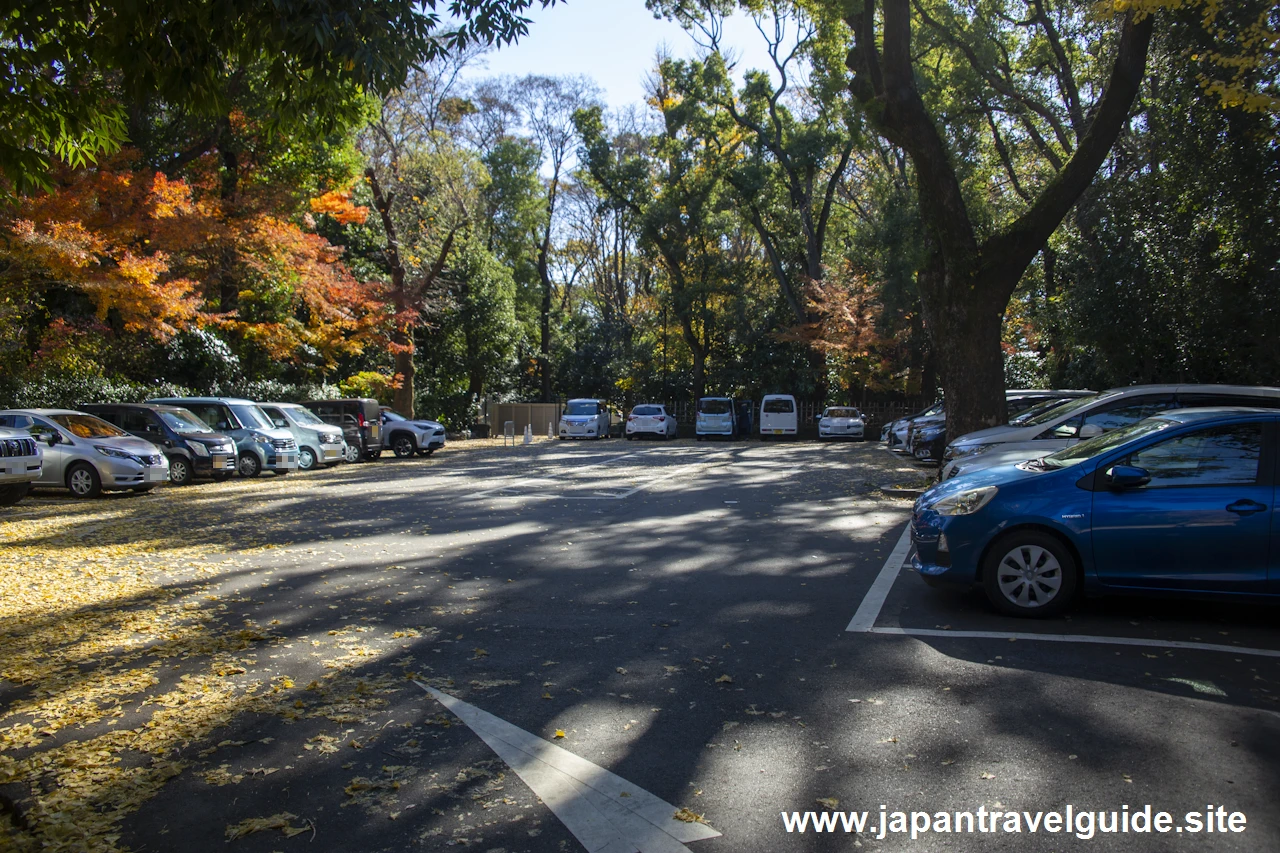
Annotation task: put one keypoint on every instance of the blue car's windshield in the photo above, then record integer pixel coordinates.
(1101, 444)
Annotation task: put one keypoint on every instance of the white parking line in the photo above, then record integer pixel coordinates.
(869, 610)
(864, 620)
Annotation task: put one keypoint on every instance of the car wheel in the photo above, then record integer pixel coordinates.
(222, 476)
(83, 480)
(11, 494)
(180, 473)
(351, 453)
(1029, 573)
(402, 446)
(373, 455)
(249, 465)
(306, 459)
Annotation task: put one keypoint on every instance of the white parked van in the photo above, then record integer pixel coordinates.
(777, 415)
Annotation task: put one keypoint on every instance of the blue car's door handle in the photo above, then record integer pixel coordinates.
(1246, 507)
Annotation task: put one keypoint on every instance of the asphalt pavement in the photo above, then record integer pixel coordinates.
(676, 614)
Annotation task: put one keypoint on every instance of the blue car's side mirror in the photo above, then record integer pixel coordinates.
(1127, 477)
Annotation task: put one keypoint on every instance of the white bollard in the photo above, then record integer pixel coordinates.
(551, 430)
(528, 434)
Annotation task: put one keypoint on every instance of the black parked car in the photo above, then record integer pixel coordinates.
(194, 450)
(361, 422)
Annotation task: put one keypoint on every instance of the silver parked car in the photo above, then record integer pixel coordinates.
(87, 455)
(1087, 417)
(319, 443)
(406, 437)
(260, 445)
(19, 464)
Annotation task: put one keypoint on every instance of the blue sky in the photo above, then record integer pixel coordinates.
(611, 41)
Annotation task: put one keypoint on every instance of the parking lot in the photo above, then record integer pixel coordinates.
(727, 627)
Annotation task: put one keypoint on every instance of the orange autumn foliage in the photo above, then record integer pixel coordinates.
(337, 203)
(847, 332)
(105, 233)
(158, 253)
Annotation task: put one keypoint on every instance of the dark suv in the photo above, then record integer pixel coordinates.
(194, 450)
(360, 420)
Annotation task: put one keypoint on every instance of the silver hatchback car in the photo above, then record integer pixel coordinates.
(87, 455)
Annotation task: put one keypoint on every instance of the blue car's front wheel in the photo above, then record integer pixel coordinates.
(1029, 573)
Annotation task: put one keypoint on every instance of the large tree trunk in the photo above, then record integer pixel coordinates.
(965, 335)
(968, 283)
(403, 399)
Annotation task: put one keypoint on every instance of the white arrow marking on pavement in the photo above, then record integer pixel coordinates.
(605, 812)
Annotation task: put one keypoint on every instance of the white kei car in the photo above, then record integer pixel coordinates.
(651, 419)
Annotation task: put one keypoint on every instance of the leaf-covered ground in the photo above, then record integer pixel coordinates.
(202, 640)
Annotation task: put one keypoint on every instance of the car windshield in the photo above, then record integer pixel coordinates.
(251, 416)
(714, 407)
(582, 407)
(87, 426)
(1037, 410)
(183, 422)
(647, 410)
(1058, 411)
(840, 413)
(1101, 444)
(303, 416)
(393, 416)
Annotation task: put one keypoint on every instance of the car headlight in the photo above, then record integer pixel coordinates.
(966, 502)
(262, 439)
(197, 448)
(954, 452)
(116, 454)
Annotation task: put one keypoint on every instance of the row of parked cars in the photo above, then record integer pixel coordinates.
(723, 417)
(1151, 489)
(137, 446)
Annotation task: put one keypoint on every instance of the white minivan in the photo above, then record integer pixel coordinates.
(585, 418)
(777, 415)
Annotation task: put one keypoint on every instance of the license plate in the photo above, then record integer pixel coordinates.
(219, 462)
(157, 474)
(330, 453)
(777, 432)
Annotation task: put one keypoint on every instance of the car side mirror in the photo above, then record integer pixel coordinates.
(1127, 477)
(817, 418)
(279, 422)
(52, 439)
(1090, 431)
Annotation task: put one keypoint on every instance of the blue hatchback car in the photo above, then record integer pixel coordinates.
(1181, 503)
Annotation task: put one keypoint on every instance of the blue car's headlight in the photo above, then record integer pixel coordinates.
(966, 502)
